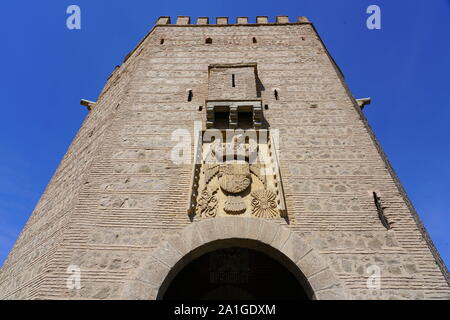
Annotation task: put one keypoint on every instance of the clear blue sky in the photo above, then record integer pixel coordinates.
(46, 69)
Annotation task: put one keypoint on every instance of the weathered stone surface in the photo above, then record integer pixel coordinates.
(179, 244)
(323, 280)
(137, 290)
(242, 20)
(268, 231)
(280, 238)
(294, 248)
(166, 254)
(152, 272)
(311, 262)
(254, 228)
(117, 201)
(191, 236)
(208, 230)
(333, 294)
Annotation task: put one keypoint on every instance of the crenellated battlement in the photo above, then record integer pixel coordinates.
(225, 21)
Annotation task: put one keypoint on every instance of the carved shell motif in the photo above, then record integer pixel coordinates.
(264, 204)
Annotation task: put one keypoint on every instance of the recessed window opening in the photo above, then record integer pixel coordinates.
(162, 41)
(233, 81)
(275, 93)
(208, 40)
(245, 119)
(254, 40)
(189, 95)
(222, 119)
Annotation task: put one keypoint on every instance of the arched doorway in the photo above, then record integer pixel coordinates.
(158, 270)
(235, 273)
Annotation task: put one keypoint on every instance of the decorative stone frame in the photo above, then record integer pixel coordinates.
(152, 278)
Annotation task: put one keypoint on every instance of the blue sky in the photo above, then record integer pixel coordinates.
(47, 69)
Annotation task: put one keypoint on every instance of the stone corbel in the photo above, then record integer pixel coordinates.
(88, 104)
(363, 102)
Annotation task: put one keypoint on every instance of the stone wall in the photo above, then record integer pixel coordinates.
(117, 196)
(232, 83)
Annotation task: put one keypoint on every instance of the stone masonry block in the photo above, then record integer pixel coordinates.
(295, 248)
(207, 229)
(262, 19)
(242, 20)
(280, 238)
(152, 272)
(228, 227)
(302, 19)
(192, 237)
(268, 232)
(311, 263)
(183, 20)
(241, 227)
(167, 254)
(332, 294)
(282, 19)
(323, 280)
(202, 20)
(222, 20)
(254, 228)
(138, 290)
(163, 20)
(178, 243)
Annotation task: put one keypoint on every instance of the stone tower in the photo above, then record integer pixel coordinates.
(225, 161)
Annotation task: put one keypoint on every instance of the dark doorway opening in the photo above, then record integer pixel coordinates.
(245, 119)
(235, 274)
(222, 119)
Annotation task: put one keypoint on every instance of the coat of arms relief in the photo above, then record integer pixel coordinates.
(240, 179)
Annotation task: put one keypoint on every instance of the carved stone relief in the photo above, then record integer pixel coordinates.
(236, 187)
(207, 203)
(264, 204)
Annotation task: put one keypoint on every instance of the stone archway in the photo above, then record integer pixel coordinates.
(152, 277)
(236, 269)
